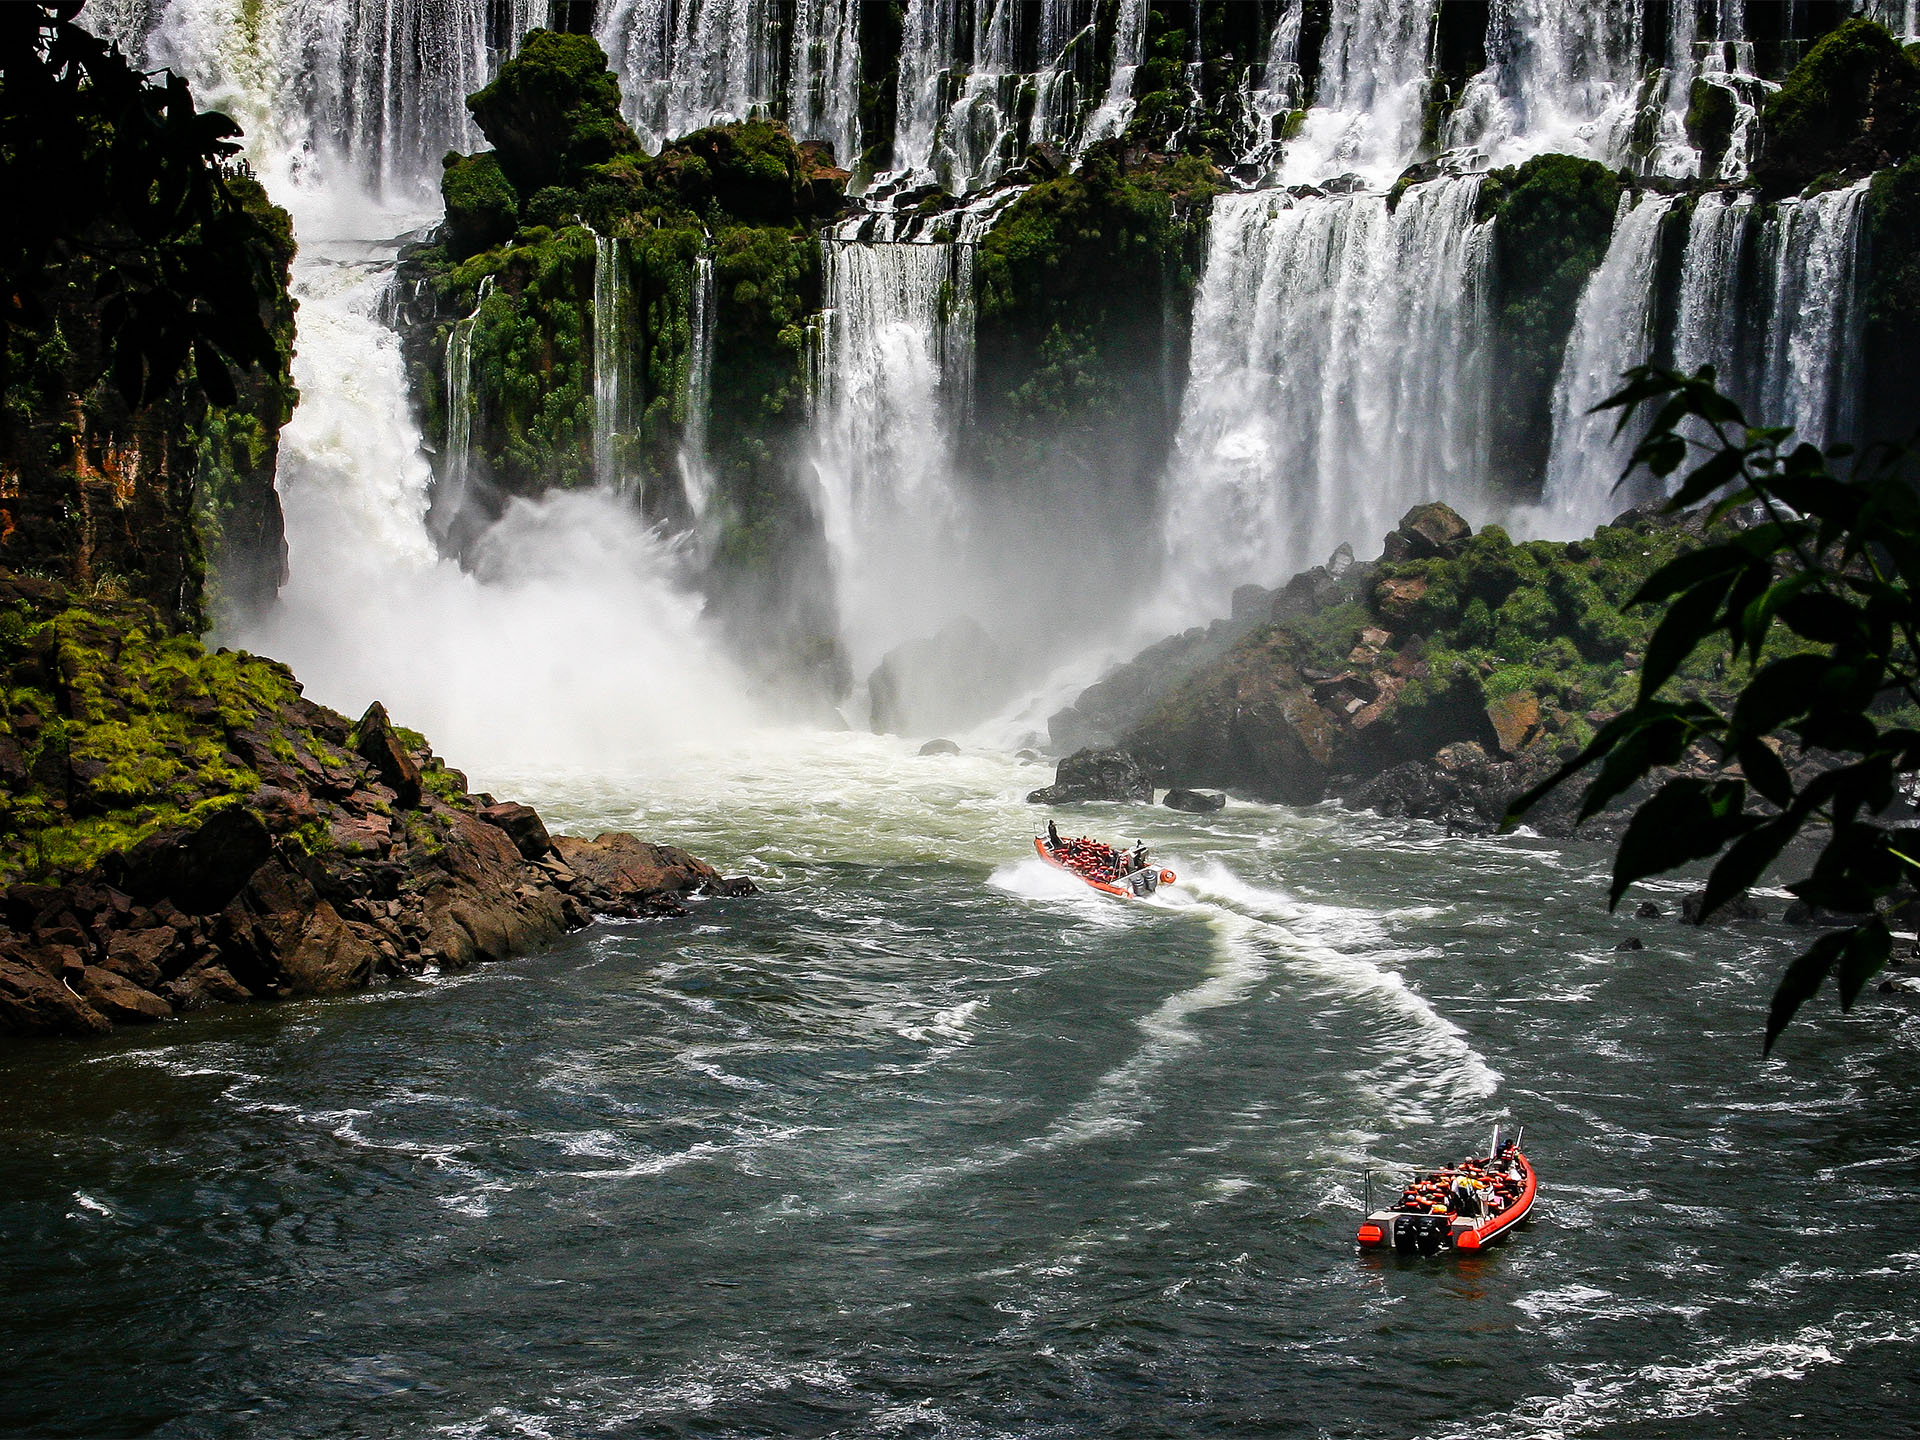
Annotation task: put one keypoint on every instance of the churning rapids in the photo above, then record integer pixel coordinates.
(930, 1140)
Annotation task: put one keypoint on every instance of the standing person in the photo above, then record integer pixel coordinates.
(1053, 836)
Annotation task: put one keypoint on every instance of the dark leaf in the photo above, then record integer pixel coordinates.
(1687, 819)
(1801, 982)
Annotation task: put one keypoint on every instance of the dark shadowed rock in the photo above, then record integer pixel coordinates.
(1647, 910)
(523, 826)
(1801, 913)
(376, 743)
(1740, 907)
(939, 747)
(1632, 942)
(201, 869)
(33, 1002)
(1106, 773)
(1194, 802)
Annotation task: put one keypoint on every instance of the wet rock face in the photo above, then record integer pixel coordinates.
(1096, 774)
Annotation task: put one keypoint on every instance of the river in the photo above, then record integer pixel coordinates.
(927, 1140)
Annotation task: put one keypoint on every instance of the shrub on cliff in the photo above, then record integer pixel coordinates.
(1552, 218)
(1893, 303)
(1852, 105)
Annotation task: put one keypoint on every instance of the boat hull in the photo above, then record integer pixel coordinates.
(1137, 886)
(1411, 1232)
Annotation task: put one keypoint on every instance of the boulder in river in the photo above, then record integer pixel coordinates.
(1105, 773)
(523, 826)
(1194, 802)
(939, 747)
(1740, 907)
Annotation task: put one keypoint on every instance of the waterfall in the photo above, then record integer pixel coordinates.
(1338, 376)
(1707, 331)
(1280, 88)
(1613, 330)
(609, 357)
(823, 76)
(456, 471)
(1129, 50)
(1902, 17)
(894, 372)
(376, 86)
(1811, 253)
(1373, 79)
(687, 63)
(961, 82)
(696, 475)
(1561, 75)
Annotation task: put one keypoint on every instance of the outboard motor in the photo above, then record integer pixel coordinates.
(1406, 1234)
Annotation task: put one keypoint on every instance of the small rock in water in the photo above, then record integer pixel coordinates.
(1632, 942)
(1028, 757)
(939, 747)
(1648, 910)
(1096, 774)
(1194, 802)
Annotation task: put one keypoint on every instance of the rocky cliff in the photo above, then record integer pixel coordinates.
(179, 829)
(1438, 681)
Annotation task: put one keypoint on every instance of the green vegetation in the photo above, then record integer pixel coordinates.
(1553, 217)
(148, 333)
(1852, 105)
(1893, 303)
(744, 195)
(1815, 606)
(1069, 331)
(110, 727)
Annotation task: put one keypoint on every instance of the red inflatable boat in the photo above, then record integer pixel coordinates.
(1464, 1207)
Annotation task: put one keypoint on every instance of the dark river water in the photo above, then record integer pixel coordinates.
(926, 1141)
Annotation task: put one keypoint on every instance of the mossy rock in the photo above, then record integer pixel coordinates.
(482, 209)
(1852, 105)
(552, 111)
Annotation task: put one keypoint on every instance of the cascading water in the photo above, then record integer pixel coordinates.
(1811, 252)
(1338, 377)
(368, 90)
(823, 75)
(687, 63)
(1613, 330)
(1561, 75)
(460, 402)
(1707, 331)
(1373, 78)
(1129, 50)
(1280, 87)
(891, 356)
(609, 357)
(962, 82)
(696, 476)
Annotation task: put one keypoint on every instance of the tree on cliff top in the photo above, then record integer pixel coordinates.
(107, 168)
(1826, 572)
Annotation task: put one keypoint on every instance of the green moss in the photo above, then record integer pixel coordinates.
(1852, 105)
(1552, 218)
(123, 727)
(1711, 111)
(482, 208)
(552, 111)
